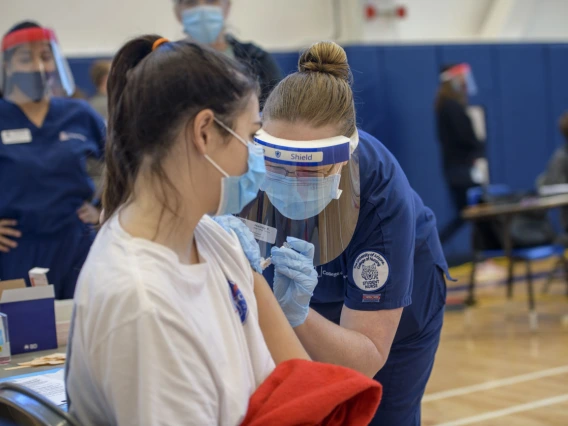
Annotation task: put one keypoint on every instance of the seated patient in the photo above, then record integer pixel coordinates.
(171, 326)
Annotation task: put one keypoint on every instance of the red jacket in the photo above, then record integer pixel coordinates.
(300, 392)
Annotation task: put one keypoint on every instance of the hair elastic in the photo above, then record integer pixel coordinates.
(159, 42)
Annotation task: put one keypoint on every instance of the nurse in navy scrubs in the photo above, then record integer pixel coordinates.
(335, 198)
(46, 194)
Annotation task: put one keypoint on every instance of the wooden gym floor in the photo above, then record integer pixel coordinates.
(496, 371)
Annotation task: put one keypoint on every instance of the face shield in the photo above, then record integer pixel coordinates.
(311, 191)
(33, 66)
(460, 75)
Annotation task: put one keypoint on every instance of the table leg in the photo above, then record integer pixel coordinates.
(470, 299)
(533, 316)
(508, 242)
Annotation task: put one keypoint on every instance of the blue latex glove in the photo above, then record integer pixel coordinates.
(294, 279)
(245, 236)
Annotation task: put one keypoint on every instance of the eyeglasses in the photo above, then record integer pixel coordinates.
(300, 172)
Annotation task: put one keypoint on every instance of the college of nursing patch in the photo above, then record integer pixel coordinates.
(370, 272)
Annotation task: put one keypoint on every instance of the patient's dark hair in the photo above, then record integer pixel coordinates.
(152, 96)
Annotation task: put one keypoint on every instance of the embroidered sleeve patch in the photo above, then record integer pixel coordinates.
(370, 271)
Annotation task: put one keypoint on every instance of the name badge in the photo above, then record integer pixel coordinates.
(13, 137)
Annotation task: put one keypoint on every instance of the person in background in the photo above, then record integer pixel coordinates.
(99, 76)
(464, 159)
(171, 326)
(46, 215)
(205, 21)
(557, 169)
(79, 94)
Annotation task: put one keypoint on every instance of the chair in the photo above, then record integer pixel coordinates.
(526, 255)
(22, 406)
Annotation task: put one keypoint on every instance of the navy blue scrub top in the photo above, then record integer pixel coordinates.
(43, 174)
(394, 259)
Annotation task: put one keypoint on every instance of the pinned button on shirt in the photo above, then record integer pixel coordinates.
(239, 301)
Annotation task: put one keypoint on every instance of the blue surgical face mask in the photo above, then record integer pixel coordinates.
(203, 23)
(238, 191)
(31, 84)
(300, 198)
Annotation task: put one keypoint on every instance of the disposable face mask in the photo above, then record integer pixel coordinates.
(238, 191)
(299, 198)
(203, 23)
(32, 84)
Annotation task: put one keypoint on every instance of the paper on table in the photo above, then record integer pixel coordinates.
(51, 386)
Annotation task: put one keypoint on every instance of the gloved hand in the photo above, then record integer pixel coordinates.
(245, 236)
(294, 279)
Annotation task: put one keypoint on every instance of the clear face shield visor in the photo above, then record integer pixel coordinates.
(311, 191)
(461, 75)
(33, 66)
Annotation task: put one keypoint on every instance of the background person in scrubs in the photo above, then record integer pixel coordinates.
(379, 301)
(46, 215)
(205, 21)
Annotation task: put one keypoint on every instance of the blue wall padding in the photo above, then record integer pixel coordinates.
(367, 89)
(525, 108)
(288, 62)
(523, 89)
(409, 105)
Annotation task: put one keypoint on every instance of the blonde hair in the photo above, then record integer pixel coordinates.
(319, 93)
(99, 70)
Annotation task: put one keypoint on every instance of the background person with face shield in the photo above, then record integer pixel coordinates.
(340, 201)
(205, 21)
(46, 214)
(464, 158)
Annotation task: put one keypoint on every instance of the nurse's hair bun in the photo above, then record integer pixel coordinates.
(325, 57)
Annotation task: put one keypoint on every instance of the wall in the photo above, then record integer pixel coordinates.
(522, 88)
(428, 21)
(471, 20)
(548, 21)
(91, 28)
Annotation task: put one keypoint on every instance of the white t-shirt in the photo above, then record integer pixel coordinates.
(157, 342)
